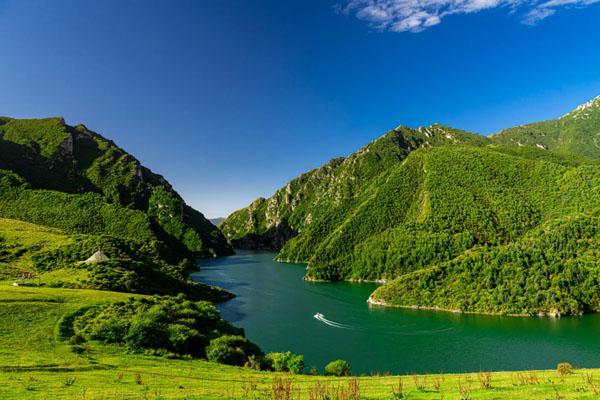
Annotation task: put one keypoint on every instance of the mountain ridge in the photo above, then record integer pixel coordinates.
(52, 155)
(575, 132)
(420, 198)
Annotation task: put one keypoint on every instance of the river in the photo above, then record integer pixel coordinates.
(276, 308)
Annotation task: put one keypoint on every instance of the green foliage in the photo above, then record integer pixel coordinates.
(338, 368)
(169, 211)
(133, 266)
(84, 213)
(435, 207)
(45, 135)
(85, 182)
(161, 324)
(576, 132)
(552, 270)
(285, 362)
(231, 350)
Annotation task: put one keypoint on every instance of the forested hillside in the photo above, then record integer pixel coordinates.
(554, 269)
(76, 211)
(415, 202)
(270, 223)
(75, 179)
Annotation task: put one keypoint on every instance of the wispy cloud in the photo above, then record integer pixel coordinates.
(417, 15)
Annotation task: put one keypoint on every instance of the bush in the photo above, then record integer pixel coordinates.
(147, 332)
(231, 350)
(184, 339)
(338, 368)
(296, 364)
(257, 363)
(110, 330)
(285, 362)
(158, 325)
(563, 369)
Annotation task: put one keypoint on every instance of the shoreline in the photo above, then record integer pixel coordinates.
(380, 303)
(316, 280)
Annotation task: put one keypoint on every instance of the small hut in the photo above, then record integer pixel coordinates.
(97, 257)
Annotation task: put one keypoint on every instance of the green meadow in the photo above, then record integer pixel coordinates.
(37, 363)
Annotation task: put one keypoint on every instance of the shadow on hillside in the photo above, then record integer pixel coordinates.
(271, 240)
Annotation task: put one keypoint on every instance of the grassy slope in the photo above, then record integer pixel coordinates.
(36, 364)
(54, 257)
(85, 213)
(21, 236)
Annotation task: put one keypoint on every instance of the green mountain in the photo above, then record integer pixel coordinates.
(576, 132)
(75, 179)
(416, 202)
(67, 193)
(269, 224)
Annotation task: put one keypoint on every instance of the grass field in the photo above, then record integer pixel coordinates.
(35, 363)
(20, 240)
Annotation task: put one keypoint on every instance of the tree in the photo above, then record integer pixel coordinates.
(338, 368)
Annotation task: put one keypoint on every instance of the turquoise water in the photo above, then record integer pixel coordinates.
(276, 307)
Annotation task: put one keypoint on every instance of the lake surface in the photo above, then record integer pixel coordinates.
(276, 307)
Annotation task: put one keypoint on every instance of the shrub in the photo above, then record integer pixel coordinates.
(147, 332)
(231, 350)
(256, 363)
(110, 330)
(338, 368)
(285, 362)
(184, 340)
(156, 325)
(296, 364)
(563, 369)
(76, 339)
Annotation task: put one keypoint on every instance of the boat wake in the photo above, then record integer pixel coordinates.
(334, 324)
(394, 331)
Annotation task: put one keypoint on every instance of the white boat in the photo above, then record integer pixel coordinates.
(318, 315)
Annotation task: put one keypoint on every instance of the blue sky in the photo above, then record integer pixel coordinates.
(231, 99)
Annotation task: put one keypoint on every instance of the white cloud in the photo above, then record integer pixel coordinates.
(417, 15)
(537, 14)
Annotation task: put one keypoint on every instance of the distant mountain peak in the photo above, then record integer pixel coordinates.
(576, 132)
(584, 109)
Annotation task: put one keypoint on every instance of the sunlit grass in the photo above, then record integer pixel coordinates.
(35, 364)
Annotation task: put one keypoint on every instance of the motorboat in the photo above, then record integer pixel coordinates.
(318, 315)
